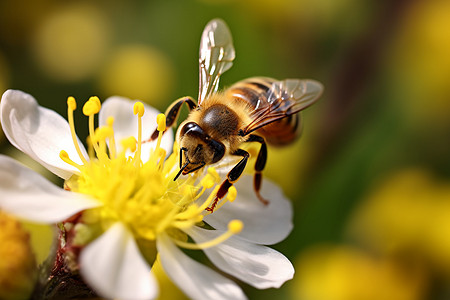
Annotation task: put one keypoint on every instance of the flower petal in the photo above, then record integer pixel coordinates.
(29, 195)
(194, 279)
(257, 265)
(39, 132)
(125, 123)
(263, 224)
(114, 267)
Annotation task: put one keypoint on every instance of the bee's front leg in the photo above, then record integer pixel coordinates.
(232, 177)
(172, 113)
(259, 165)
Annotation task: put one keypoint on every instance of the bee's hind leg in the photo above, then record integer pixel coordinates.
(232, 177)
(172, 113)
(259, 166)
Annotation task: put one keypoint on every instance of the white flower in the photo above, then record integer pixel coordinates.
(131, 196)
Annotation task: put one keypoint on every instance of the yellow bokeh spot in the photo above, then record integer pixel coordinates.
(419, 62)
(344, 273)
(407, 212)
(139, 72)
(71, 43)
(41, 237)
(17, 260)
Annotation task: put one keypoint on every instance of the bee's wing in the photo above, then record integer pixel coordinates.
(285, 98)
(216, 57)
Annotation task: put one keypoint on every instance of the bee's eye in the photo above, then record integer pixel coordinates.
(192, 128)
(219, 150)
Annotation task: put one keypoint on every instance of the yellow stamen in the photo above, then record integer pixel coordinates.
(138, 109)
(189, 213)
(112, 141)
(71, 106)
(90, 108)
(161, 120)
(142, 195)
(93, 137)
(97, 102)
(232, 193)
(208, 181)
(212, 171)
(65, 157)
(91, 152)
(129, 143)
(71, 103)
(101, 134)
(234, 227)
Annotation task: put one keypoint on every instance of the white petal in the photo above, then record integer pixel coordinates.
(114, 267)
(263, 224)
(125, 123)
(259, 266)
(194, 279)
(39, 132)
(29, 195)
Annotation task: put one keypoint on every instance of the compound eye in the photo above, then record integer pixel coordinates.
(219, 150)
(192, 128)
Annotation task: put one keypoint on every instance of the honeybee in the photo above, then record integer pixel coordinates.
(259, 109)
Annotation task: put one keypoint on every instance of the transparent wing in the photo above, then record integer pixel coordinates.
(216, 56)
(285, 98)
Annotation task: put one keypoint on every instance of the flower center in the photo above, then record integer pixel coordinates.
(141, 195)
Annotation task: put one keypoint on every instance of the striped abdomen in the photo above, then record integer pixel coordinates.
(253, 90)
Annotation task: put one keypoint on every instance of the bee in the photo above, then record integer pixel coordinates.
(259, 109)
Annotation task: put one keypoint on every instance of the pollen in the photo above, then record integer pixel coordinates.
(138, 109)
(129, 143)
(92, 106)
(71, 103)
(232, 194)
(161, 120)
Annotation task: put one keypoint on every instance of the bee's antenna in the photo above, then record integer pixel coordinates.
(185, 165)
(181, 171)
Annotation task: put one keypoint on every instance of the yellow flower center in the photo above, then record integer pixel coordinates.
(141, 195)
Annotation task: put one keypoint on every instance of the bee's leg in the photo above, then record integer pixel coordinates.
(172, 113)
(232, 177)
(259, 165)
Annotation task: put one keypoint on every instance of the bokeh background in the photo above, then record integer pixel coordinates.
(370, 178)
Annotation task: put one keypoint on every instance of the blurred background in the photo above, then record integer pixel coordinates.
(370, 177)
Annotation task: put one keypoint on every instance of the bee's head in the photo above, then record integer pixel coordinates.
(197, 149)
